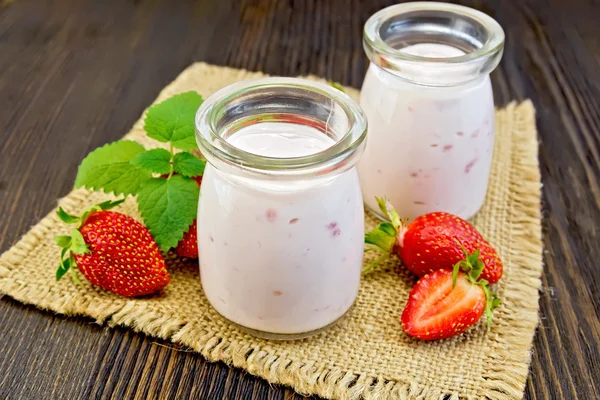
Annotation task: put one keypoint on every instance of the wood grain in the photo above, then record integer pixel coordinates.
(77, 74)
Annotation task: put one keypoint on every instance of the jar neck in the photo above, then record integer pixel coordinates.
(394, 81)
(280, 102)
(434, 44)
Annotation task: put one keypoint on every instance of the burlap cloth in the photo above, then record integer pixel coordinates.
(367, 354)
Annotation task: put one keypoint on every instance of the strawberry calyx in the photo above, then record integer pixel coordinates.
(74, 243)
(385, 236)
(472, 267)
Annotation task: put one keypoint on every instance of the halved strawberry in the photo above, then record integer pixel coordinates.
(434, 241)
(446, 303)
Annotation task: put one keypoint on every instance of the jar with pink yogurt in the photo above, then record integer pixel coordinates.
(280, 218)
(428, 99)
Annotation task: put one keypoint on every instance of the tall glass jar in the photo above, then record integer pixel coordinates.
(280, 218)
(428, 98)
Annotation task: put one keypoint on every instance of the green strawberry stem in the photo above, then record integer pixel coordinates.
(384, 237)
(373, 264)
(472, 267)
(74, 276)
(74, 243)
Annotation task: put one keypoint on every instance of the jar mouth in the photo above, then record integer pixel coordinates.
(479, 37)
(287, 100)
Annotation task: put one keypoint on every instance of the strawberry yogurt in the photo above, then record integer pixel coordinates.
(430, 108)
(280, 257)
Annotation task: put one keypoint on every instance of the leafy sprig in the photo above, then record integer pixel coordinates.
(167, 196)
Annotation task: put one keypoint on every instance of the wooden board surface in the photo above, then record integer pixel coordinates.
(77, 74)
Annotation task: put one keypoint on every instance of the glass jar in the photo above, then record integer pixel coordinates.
(428, 98)
(280, 218)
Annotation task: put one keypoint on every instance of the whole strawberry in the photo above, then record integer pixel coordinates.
(446, 303)
(113, 251)
(434, 241)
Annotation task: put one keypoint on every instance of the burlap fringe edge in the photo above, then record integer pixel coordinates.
(508, 381)
(306, 378)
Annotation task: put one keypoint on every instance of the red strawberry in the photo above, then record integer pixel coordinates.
(113, 251)
(188, 246)
(434, 241)
(444, 304)
(198, 179)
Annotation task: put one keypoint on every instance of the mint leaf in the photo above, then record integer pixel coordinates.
(109, 168)
(155, 160)
(188, 165)
(173, 120)
(169, 207)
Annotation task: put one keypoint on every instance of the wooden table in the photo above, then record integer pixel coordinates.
(77, 74)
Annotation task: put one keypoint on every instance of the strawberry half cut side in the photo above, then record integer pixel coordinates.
(446, 303)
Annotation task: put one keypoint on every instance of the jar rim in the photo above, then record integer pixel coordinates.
(391, 58)
(214, 146)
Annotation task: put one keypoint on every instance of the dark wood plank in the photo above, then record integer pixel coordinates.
(77, 74)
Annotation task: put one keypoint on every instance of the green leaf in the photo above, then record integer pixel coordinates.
(389, 211)
(489, 306)
(155, 160)
(109, 204)
(65, 264)
(63, 241)
(381, 238)
(87, 213)
(109, 168)
(473, 257)
(388, 228)
(187, 164)
(66, 218)
(492, 301)
(78, 245)
(375, 262)
(173, 120)
(73, 274)
(336, 85)
(455, 272)
(168, 206)
(476, 265)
